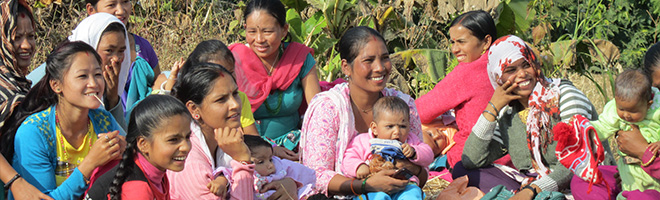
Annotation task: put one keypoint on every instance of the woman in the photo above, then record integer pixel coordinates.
(525, 106)
(465, 89)
(633, 144)
(65, 135)
(336, 116)
(211, 95)
(108, 36)
(275, 75)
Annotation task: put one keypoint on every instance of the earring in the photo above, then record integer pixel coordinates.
(57, 90)
(196, 116)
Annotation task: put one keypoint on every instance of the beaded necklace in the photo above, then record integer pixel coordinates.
(64, 164)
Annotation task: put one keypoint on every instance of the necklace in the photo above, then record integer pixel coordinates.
(63, 140)
(279, 104)
(272, 66)
(360, 109)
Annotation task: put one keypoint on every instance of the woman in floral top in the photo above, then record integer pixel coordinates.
(336, 116)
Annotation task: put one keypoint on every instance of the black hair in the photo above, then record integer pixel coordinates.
(253, 141)
(633, 84)
(93, 2)
(114, 27)
(204, 52)
(147, 116)
(41, 96)
(479, 22)
(392, 104)
(652, 59)
(196, 84)
(273, 7)
(354, 39)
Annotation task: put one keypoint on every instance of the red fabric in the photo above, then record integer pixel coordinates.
(252, 77)
(136, 190)
(467, 90)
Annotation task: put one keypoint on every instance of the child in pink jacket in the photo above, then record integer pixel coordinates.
(389, 138)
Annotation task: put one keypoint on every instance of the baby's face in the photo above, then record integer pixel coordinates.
(263, 160)
(390, 125)
(632, 110)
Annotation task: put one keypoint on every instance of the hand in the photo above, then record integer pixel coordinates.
(218, 186)
(632, 142)
(526, 193)
(285, 189)
(383, 182)
(174, 74)
(405, 163)
(105, 149)
(408, 151)
(122, 144)
(21, 190)
(362, 171)
(502, 96)
(111, 76)
(230, 140)
(285, 153)
(654, 147)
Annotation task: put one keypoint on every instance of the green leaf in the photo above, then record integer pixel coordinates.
(295, 25)
(299, 5)
(431, 61)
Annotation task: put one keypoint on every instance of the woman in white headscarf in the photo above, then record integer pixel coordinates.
(108, 35)
(525, 106)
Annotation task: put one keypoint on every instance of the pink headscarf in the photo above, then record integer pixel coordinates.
(543, 102)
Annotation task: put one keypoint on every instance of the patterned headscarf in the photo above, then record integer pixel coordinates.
(543, 102)
(13, 84)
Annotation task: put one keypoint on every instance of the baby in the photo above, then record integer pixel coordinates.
(635, 102)
(388, 139)
(268, 168)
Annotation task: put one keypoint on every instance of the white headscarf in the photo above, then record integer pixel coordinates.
(90, 31)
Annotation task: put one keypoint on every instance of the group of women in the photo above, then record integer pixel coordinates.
(66, 136)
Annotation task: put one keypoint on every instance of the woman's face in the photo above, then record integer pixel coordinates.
(24, 41)
(465, 46)
(264, 34)
(523, 74)
(111, 46)
(371, 68)
(222, 106)
(169, 144)
(81, 82)
(122, 9)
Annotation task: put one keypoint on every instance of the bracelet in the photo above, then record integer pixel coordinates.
(353, 190)
(492, 105)
(650, 160)
(529, 186)
(364, 185)
(8, 184)
(491, 113)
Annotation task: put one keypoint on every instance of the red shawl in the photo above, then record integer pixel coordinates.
(252, 77)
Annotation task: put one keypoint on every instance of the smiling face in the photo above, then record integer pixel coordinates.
(122, 9)
(391, 125)
(168, 146)
(24, 41)
(465, 46)
(112, 45)
(523, 74)
(222, 106)
(632, 110)
(80, 82)
(371, 68)
(264, 34)
(263, 160)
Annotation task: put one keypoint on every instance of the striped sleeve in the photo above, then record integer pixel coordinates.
(573, 102)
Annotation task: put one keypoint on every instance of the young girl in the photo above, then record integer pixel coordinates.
(158, 140)
(389, 139)
(65, 135)
(270, 168)
(636, 102)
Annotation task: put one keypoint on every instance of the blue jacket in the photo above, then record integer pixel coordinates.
(35, 156)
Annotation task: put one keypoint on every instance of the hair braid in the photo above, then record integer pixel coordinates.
(123, 171)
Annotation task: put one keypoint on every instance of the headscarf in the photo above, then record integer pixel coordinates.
(543, 102)
(13, 84)
(90, 31)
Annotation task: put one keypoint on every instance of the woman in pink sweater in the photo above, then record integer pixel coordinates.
(466, 89)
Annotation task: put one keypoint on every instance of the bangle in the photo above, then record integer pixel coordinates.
(364, 185)
(531, 188)
(491, 104)
(650, 160)
(491, 113)
(8, 184)
(353, 190)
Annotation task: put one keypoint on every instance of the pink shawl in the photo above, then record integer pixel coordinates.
(255, 81)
